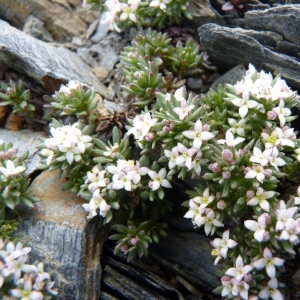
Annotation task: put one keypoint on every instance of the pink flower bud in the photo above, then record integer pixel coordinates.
(124, 248)
(225, 280)
(133, 241)
(172, 126)
(266, 236)
(248, 277)
(268, 172)
(166, 129)
(215, 167)
(226, 174)
(205, 127)
(221, 204)
(165, 122)
(227, 155)
(271, 115)
(149, 137)
(250, 194)
(247, 169)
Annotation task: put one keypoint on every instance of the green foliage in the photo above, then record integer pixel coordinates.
(17, 96)
(151, 64)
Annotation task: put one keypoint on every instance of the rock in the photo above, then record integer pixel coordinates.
(230, 77)
(227, 47)
(35, 27)
(14, 122)
(194, 83)
(63, 239)
(101, 73)
(92, 28)
(203, 13)
(257, 6)
(58, 18)
(288, 48)
(101, 31)
(284, 20)
(25, 140)
(49, 67)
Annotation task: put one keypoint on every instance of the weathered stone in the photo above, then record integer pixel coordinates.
(101, 31)
(227, 47)
(194, 83)
(230, 77)
(46, 65)
(14, 122)
(258, 6)
(284, 20)
(35, 27)
(288, 48)
(202, 13)
(58, 18)
(25, 140)
(101, 73)
(61, 236)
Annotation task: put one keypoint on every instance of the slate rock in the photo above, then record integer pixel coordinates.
(228, 47)
(101, 31)
(58, 18)
(288, 48)
(284, 20)
(46, 65)
(25, 140)
(230, 77)
(35, 27)
(61, 237)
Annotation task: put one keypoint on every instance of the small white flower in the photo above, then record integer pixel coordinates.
(257, 172)
(172, 155)
(184, 110)
(240, 270)
(128, 10)
(158, 179)
(237, 127)
(186, 157)
(209, 221)
(223, 244)
(72, 85)
(273, 139)
(27, 293)
(10, 169)
(244, 104)
(205, 199)
(197, 135)
(269, 262)
(271, 291)
(282, 112)
(230, 140)
(260, 157)
(258, 227)
(160, 3)
(260, 198)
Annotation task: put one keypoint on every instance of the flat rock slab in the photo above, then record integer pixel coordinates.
(25, 140)
(47, 65)
(284, 19)
(60, 235)
(228, 47)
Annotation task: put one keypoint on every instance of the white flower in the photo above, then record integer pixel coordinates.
(282, 112)
(260, 198)
(172, 155)
(205, 199)
(257, 172)
(274, 159)
(209, 221)
(269, 262)
(244, 104)
(128, 10)
(283, 215)
(237, 127)
(223, 244)
(160, 3)
(186, 156)
(184, 110)
(71, 85)
(259, 227)
(197, 135)
(10, 169)
(273, 139)
(158, 179)
(230, 140)
(27, 293)
(291, 231)
(49, 153)
(271, 291)
(260, 157)
(287, 137)
(240, 270)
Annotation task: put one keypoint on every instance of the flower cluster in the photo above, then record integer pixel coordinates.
(151, 64)
(21, 280)
(240, 138)
(120, 15)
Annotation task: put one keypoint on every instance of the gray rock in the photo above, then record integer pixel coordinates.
(284, 20)
(194, 83)
(101, 31)
(63, 239)
(230, 77)
(60, 20)
(35, 27)
(228, 47)
(46, 65)
(288, 48)
(25, 140)
(256, 6)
